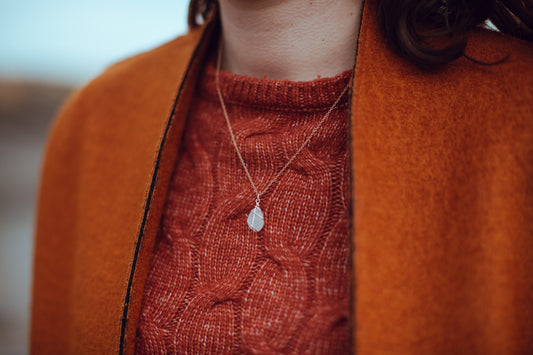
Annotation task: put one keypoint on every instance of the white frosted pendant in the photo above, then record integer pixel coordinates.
(256, 220)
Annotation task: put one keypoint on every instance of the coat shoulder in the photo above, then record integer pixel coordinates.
(130, 84)
(144, 70)
(489, 43)
(156, 62)
(498, 78)
(513, 58)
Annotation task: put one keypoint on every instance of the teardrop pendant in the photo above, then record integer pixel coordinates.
(256, 219)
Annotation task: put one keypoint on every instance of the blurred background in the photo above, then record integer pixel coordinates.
(48, 48)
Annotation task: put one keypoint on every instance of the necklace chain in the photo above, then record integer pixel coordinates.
(225, 112)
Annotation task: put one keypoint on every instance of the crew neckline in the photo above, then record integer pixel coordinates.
(278, 95)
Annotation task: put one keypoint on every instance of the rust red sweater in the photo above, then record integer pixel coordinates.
(215, 286)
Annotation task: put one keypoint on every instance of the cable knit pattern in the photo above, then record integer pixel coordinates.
(215, 286)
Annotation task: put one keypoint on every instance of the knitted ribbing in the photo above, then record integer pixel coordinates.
(214, 285)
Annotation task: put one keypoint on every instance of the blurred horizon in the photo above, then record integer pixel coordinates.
(67, 42)
(46, 50)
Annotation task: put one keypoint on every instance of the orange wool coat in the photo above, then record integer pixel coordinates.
(442, 187)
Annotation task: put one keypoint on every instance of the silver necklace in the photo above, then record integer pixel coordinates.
(256, 218)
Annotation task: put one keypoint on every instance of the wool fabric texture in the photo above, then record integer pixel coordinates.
(441, 215)
(216, 286)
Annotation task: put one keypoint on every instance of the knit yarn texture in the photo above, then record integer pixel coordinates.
(214, 285)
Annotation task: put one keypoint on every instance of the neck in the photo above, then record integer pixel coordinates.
(297, 40)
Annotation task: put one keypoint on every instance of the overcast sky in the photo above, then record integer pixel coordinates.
(71, 41)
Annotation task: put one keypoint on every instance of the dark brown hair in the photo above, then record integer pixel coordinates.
(429, 32)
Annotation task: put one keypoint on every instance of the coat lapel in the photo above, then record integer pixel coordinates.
(111, 154)
(163, 166)
(441, 161)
